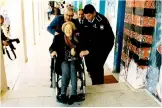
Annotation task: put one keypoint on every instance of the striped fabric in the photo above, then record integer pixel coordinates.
(139, 26)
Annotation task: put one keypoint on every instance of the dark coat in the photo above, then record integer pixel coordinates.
(80, 25)
(58, 45)
(77, 20)
(98, 38)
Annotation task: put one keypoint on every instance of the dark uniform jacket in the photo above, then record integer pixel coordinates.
(79, 22)
(97, 37)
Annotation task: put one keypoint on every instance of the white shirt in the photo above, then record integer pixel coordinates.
(92, 20)
(80, 21)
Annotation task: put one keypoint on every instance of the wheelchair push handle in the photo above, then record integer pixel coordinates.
(83, 58)
(53, 54)
(54, 57)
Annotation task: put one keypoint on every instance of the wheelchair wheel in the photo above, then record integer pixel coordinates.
(58, 88)
(54, 80)
(83, 82)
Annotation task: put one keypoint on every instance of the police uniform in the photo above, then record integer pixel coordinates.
(97, 37)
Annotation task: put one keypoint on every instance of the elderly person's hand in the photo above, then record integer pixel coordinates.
(84, 53)
(73, 52)
(54, 53)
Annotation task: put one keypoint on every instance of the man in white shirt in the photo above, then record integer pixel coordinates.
(80, 16)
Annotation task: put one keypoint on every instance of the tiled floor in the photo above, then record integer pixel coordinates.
(114, 95)
(30, 86)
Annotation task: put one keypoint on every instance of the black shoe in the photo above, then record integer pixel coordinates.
(62, 99)
(81, 97)
(73, 98)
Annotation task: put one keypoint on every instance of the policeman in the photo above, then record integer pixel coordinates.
(80, 16)
(97, 40)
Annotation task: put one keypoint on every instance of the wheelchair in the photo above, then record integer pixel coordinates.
(56, 79)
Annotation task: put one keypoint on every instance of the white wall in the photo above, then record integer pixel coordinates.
(16, 25)
(28, 21)
(22, 26)
(84, 3)
(15, 13)
(111, 14)
(96, 3)
(68, 1)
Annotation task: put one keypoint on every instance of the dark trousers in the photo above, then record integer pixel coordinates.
(95, 65)
(69, 72)
(96, 69)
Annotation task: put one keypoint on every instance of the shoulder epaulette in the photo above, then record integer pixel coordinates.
(98, 18)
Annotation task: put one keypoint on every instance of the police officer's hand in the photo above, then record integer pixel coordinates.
(73, 52)
(54, 53)
(84, 53)
(5, 43)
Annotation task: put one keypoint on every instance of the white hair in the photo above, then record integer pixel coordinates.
(68, 23)
(68, 8)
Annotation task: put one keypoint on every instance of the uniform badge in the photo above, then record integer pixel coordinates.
(94, 26)
(85, 26)
(101, 27)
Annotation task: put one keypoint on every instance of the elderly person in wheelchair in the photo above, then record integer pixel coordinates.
(65, 48)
